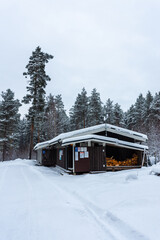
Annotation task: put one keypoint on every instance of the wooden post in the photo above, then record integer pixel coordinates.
(73, 159)
(143, 157)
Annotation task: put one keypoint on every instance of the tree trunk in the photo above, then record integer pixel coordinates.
(3, 154)
(31, 139)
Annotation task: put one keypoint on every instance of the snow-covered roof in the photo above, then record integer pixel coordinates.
(93, 130)
(126, 132)
(103, 139)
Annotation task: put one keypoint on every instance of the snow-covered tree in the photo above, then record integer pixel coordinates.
(154, 127)
(139, 113)
(36, 90)
(79, 112)
(62, 120)
(95, 109)
(147, 109)
(155, 109)
(130, 120)
(144, 116)
(118, 115)
(108, 112)
(9, 119)
(50, 122)
(23, 137)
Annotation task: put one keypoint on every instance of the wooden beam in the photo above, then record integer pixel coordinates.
(144, 153)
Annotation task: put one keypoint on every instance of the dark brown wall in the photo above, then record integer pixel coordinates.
(95, 162)
(48, 157)
(62, 162)
(98, 159)
(83, 164)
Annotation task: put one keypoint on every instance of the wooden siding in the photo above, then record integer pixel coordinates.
(97, 159)
(82, 165)
(61, 158)
(48, 157)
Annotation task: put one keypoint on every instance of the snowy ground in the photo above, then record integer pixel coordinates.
(38, 203)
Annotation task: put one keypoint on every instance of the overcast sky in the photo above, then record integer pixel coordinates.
(111, 45)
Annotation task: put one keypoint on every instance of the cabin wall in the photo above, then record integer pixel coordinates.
(61, 158)
(39, 156)
(81, 159)
(94, 157)
(49, 157)
(89, 159)
(97, 159)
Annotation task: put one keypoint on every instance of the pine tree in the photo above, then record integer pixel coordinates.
(130, 120)
(154, 127)
(155, 109)
(118, 116)
(143, 116)
(24, 137)
(95, 114)
(9, 119)
(62, 120)
(49, 125)
(36, 90)
(146, 114)
(79, 112)
(139, 113)
(108, 112)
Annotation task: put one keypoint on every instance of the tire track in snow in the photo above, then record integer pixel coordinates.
(114, 227)
(111, 222)
(123, 227)
(110, 235)
(31, 223)
(106, 219)
(88, 207)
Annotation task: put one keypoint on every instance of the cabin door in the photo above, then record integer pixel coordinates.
(98, 158)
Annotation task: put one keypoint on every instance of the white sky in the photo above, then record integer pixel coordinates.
(113, 46)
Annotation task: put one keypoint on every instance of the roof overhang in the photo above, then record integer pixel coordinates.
(126, 132)
(43, 145)
(106, 140)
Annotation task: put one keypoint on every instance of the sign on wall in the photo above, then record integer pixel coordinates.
(81, 152)
(60, 154)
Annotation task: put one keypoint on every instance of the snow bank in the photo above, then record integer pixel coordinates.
(131, 176)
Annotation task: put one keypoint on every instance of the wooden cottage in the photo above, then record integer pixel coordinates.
(102, 147)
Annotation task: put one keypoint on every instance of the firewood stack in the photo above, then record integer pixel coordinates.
(111, 162)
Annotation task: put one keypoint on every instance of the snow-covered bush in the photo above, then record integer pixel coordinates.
(156, 169)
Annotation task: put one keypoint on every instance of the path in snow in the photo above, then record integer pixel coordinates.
(37, 203)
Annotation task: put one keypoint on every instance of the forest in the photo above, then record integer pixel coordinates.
(47, 117)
